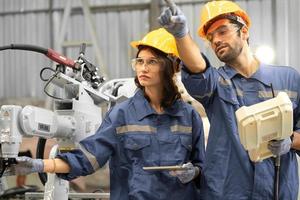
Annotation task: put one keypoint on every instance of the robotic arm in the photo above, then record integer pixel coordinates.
(16, 122)
(76, 114)
(88, 71)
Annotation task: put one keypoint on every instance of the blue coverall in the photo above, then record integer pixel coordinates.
(228, 173)
(133, 136)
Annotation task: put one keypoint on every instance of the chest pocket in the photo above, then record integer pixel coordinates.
(137, 146)
(186, 141)
(136, 142)
(228, 94)
(177, 147)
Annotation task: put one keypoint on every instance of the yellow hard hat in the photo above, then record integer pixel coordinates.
(159, 39)
(213, 9)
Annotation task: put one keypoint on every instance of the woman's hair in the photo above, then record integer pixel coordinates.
(170, 65)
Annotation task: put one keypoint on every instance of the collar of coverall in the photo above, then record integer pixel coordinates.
(262, 74)
(144, 109)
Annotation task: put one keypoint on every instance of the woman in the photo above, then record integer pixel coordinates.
(153, 128)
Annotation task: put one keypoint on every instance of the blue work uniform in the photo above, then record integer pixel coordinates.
(133, 136)
(228, 172)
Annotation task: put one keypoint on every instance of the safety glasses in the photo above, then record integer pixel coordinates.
(223, 32)
(138, 63)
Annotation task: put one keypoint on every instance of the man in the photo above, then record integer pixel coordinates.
(228, 173)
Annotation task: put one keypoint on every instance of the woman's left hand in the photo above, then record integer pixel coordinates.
(188, 173)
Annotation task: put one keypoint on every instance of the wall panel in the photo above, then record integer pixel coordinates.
(274, 22)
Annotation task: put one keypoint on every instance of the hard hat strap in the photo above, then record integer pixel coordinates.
(172, 58)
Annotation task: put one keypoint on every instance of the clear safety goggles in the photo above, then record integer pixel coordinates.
(223, 32)
(138, 63)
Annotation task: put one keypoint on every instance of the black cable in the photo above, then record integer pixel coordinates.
(42, 71)
(41, 142)
(276, 181)
(48, 82)
(26, 47)
(40, 154)
(276, 164)
(114, 93)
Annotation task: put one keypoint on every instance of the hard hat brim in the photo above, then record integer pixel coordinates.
(135, 44)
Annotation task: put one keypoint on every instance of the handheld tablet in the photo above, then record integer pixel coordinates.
(174, 167)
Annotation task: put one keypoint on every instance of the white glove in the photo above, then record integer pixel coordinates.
(25, 165)
(280, 147)
(174, 23)
(186, 175)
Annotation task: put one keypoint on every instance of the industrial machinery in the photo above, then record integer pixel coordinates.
(75, 115)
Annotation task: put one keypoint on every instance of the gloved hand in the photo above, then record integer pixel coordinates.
(25, 165)
(280, 147)
(175, 23)
(187, 175)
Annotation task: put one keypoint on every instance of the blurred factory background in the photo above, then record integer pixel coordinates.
(108, 26)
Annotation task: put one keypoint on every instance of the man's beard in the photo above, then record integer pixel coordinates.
(230, 55)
